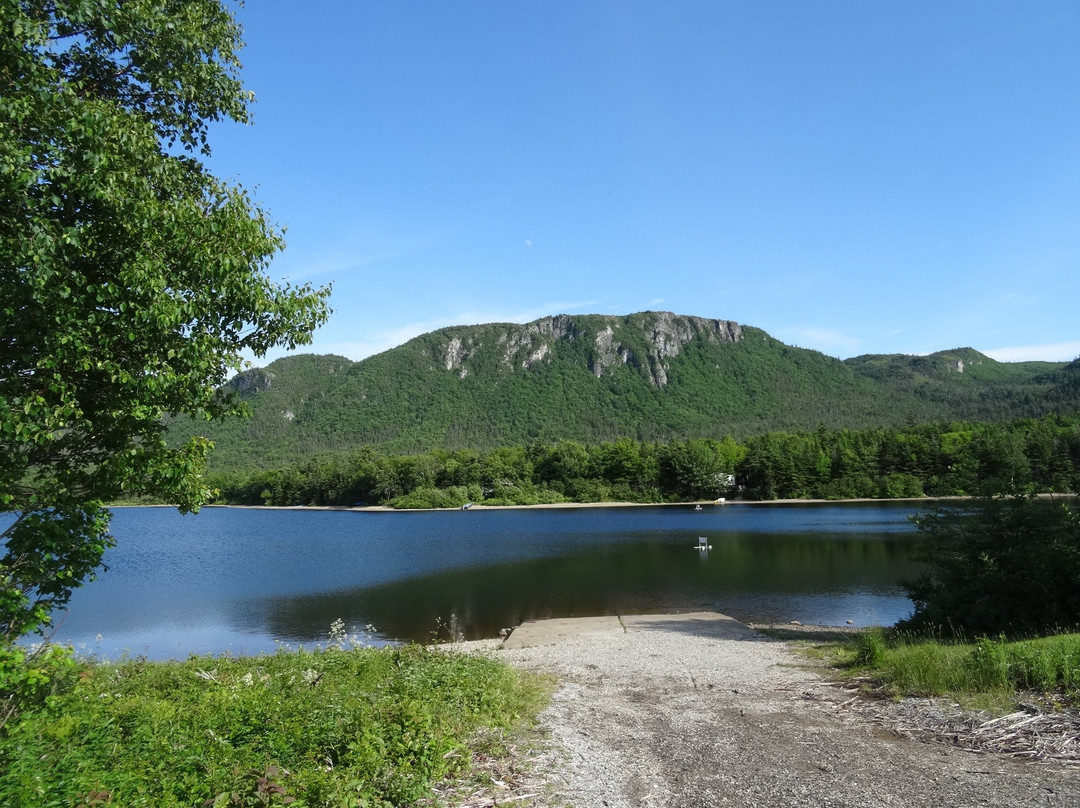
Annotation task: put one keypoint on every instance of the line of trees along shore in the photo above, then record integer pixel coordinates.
(934, 460)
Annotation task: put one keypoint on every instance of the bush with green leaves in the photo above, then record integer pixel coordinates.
(368, 727)
(1000, 564)
(870, 649)
(30, 675)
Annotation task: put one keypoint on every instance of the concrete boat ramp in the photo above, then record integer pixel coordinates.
(549, 632)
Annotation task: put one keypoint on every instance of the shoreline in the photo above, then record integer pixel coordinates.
(704, 503)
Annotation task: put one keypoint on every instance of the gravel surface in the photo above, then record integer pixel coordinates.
(696, 712)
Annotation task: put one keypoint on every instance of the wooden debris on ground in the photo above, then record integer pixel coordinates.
(1044, 736)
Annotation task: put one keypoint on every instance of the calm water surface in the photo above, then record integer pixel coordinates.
(242, 580)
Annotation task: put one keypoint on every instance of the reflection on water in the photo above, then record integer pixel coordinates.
(240, 580)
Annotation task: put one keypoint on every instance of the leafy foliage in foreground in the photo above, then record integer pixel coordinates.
(132, 280)
(361, 727)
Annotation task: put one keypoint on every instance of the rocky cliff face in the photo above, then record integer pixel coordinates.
(252, 382)
(645, 341)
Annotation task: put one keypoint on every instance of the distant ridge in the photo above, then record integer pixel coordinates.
(650, 376)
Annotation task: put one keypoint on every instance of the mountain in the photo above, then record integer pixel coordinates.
(651, 376)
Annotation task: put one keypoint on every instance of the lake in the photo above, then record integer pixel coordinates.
(246, 580)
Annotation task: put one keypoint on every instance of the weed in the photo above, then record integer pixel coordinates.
(987, 672)
(263, 789)
(870, 649)
(334, 726)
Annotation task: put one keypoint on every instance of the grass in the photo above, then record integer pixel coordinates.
(361, 728)
(987, 673)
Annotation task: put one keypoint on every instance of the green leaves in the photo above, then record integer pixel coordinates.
(131, 280)
(844, 464)
(999, 564)
(361, 727)
(48, 552)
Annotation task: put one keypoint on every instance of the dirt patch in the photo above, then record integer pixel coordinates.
(706, 714)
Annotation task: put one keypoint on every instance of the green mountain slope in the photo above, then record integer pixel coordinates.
(651, 376)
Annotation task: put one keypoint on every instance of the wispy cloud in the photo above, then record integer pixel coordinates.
(1054, 352)
(348, 252)
(330, 263)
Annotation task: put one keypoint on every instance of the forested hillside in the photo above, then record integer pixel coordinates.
(652, 377)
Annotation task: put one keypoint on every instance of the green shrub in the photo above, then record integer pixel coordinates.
(998, 564)
(431, 497)
(1049, 664)
(327, 728)
(29, 676)
(870, 649)
(988, 666)
(895, 486)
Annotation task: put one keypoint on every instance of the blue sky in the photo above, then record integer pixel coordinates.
(853, 177)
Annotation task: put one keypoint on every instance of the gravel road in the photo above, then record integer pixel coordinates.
(699, 710)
